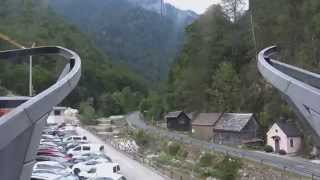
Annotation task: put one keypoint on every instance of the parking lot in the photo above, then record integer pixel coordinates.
(132, 169)
(63, 154)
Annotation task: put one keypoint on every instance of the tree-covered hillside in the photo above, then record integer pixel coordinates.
(217, 70)
(29, 21)
(129, 33)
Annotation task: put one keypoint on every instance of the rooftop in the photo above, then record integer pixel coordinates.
(173, 114)
(289, 128)
(206, 119)
(233, 122)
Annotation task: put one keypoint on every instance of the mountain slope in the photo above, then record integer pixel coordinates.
(180, 17)
(130, 34)
(31, 21)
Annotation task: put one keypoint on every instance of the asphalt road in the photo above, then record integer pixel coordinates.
(130, 168)
(299, 166)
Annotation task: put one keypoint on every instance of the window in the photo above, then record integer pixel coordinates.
(86, 148)
(92, 170)
(291, 142)
(57, 113)
(276, 130)
(77, 148)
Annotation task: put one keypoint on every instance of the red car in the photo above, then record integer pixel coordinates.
(53, 154)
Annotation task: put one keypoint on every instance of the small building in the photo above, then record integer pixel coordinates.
(58, 111)
(203, 124)
(9, 103)
(235, 128)
(56, 116)
(284, 136)
(178, 120)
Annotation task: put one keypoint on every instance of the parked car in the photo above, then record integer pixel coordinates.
(73, 145)
(64, 161)
(48, 136)
(54, 154)
(49, 149)
(85, 148)
(91, 156)
(75, 139)
(54, 146)
(48, 175)
(113, 176)
(92, 169)
(55, 140)
(53, 166)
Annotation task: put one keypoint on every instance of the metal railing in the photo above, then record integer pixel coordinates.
(20, 129)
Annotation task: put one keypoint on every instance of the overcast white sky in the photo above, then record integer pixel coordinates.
(198, 6)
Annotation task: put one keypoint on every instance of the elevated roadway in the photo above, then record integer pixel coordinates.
(20, 129)
(299, 87)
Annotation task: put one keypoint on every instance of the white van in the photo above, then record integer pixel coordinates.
(98, 170)
(75, 139)
(86, 148)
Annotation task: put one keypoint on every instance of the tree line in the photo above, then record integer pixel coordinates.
(216, 70)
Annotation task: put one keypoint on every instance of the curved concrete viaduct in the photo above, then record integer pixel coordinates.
(20, 129)
(300, 88)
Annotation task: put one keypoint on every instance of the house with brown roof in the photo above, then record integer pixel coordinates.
(235, 128)
(203, 125)
(225, 128)
(178, 120)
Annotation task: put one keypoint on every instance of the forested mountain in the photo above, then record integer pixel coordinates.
(102, 82)
(217, 68)
(131, 34)
(180, 17)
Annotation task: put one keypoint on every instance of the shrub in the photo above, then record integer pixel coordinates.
(268, 148)
(206, 160)
(183, 153)
(228, 168)
(173, 148)
(282, 152)
(164, 158)
(141, 138)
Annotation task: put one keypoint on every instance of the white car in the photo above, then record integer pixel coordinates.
(90, 156)
(48, 136)
(113, 176)
(75, 139)
(87, 170)
(52, 166)
(48, 175)
(88, 165)
(86, 148)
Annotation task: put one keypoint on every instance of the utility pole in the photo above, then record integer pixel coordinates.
(30, 73)
(162, 8)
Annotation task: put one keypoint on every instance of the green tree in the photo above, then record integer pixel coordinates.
(87, 113)
(225, 89)
(108, 105)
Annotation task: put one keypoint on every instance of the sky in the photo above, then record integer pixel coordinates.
(198, 6)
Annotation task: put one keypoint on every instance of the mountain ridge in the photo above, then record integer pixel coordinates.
(129, 33)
